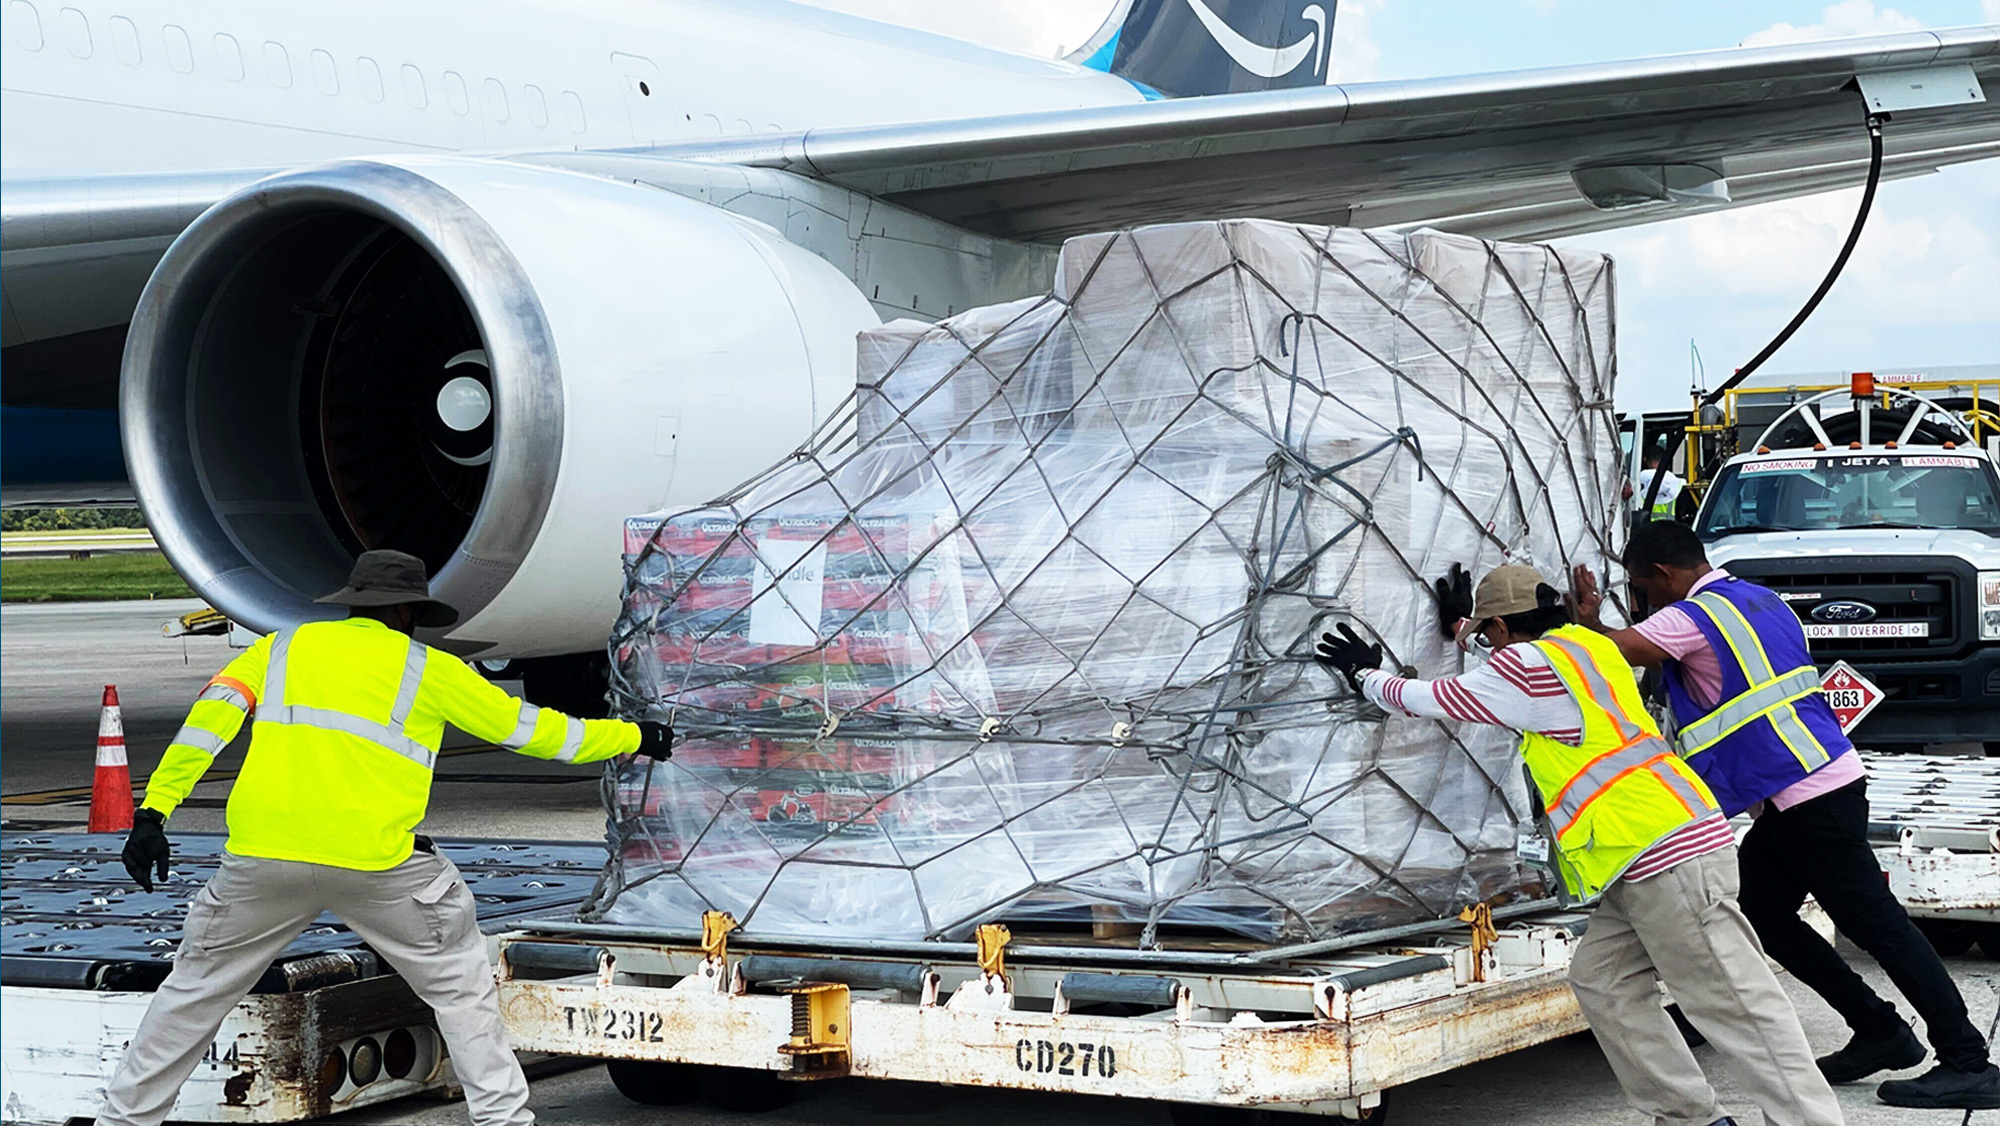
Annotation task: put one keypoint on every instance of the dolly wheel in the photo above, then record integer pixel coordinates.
(748, 1089)
(1192, 1114)
(1949, 937)
(655, 1084)
(1989, 939)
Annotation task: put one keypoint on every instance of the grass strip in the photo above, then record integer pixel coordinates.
(100, 578)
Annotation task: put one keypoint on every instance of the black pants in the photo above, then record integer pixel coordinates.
(1820, 847)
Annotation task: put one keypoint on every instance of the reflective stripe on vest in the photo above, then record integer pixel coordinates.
(572, 739)
(1642, 749)
(1769, 696)
(228, 693)
(389, 736)
(524, 728)
(201, 739)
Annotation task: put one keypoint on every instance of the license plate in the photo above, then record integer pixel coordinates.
(1820, 630)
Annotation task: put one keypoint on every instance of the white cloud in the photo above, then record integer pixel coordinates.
(1355, 52)
(1923, 286)
(1846, 18)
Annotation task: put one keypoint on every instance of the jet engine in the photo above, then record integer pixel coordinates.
(486, 364)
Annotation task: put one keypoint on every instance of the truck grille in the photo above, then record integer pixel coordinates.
(1898, 597)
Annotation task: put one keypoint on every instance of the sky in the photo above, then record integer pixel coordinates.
(1923, 287)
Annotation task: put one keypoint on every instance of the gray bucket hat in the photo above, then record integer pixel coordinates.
(393, 578)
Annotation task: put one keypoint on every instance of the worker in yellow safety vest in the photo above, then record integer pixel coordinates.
(348, 719)
(1624, 821)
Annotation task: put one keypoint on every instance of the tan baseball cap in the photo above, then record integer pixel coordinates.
(1504, 590)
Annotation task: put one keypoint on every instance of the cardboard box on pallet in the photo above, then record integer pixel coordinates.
(1084, 544)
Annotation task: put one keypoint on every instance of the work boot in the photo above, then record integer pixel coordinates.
(1865, 1055)
(1944, 1087)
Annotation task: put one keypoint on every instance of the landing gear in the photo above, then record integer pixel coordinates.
(576, 684)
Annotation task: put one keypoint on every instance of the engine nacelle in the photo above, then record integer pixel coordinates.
(485, 364)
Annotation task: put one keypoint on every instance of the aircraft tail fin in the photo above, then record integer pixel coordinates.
(1187, 48)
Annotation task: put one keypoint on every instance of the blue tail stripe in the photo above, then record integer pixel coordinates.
(1101, 60)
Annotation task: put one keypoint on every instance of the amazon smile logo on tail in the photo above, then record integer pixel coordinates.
(1269, 62)
(1189, 48)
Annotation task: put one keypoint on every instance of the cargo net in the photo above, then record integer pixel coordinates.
(1025, 631)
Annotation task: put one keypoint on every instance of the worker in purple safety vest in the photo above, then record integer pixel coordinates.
(1753, 722)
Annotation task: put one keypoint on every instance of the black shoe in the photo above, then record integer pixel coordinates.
(1945, 1088)
(1864, 1056)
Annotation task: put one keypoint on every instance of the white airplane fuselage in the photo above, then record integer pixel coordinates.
(96, 87)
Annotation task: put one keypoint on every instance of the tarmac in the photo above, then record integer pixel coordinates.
(55, 659)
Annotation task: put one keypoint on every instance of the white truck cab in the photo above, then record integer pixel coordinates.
(1876, 516)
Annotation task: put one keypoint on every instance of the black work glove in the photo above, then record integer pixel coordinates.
(1348, 654)
(146, 849)
(1454, 593)
(656, 740)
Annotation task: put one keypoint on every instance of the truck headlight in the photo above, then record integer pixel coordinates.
(1989, 605)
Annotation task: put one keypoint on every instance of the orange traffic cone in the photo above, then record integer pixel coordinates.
(111, 786)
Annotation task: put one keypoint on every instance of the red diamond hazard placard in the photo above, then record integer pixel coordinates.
(1851, 695)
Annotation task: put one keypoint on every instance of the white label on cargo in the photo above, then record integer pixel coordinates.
(787, 612)
(1535, 849)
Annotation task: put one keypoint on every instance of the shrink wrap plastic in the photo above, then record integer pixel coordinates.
(1025, 632)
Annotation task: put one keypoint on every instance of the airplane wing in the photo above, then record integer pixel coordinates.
(1494, 155)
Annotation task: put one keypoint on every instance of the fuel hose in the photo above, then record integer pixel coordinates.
(1778, 341)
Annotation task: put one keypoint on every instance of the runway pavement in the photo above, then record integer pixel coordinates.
(55, 660)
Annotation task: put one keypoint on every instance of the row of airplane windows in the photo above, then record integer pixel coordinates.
(26, 32)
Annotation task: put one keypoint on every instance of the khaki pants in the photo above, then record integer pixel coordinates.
(1683, 927)
(419, 916)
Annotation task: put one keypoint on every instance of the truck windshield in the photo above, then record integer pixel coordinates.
(1854, 491)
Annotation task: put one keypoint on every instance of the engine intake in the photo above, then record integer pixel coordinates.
(485, 364)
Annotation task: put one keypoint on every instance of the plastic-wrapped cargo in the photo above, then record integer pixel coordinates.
(1025, 632)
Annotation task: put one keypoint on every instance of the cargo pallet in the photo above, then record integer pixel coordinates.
(1935, 822)
(327, 1029)
(1325, 1030)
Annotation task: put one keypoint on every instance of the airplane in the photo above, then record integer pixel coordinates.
(480, 280)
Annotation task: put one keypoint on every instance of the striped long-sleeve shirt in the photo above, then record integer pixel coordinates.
(1518, 688)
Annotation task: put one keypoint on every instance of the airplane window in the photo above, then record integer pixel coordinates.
(278, 64)
(125, 41)
(180, 52)
(324, 73)
(413, 87)
(229, 56)
(496, 100)
(454, 93)
(645, 91)
(538, 107)
(743, 126)
(711, 124)
(24, 25)
(573, 111)
(369, 76)
(76, 32)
